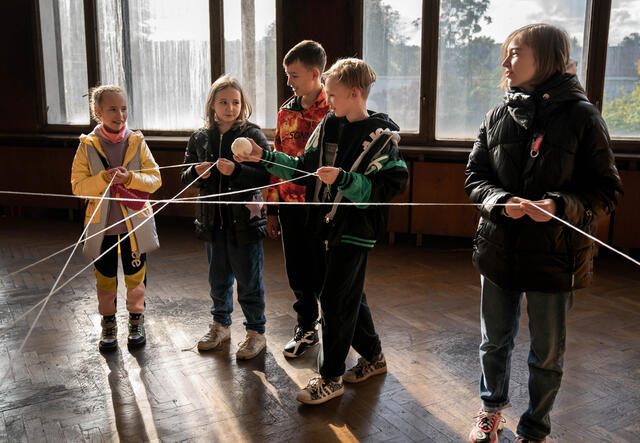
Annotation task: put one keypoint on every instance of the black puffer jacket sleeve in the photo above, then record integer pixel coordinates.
(480, 183)
(196, 148)
(600, 186)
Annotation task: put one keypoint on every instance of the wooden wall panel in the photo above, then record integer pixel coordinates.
(441, 183)
(626, 219)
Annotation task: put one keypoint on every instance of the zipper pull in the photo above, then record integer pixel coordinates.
(326, 245)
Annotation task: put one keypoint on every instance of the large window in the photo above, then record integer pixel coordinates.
(160, 52)
(250, 54)
(391, 45)
(65, 61)
(621, 108)
(471, 35)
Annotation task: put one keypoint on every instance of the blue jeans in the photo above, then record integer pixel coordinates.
(244, 263)
(500, 314)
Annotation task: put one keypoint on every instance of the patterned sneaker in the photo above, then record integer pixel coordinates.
(521, 439)
(109, 338)
(217, 334)
(320, 390)
(301, 341)
(137, 335)
(253, 344)
(486, 428)
(365, 369)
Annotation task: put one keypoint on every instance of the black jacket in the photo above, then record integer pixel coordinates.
(248, 224)
(575, 167)
(372, 171)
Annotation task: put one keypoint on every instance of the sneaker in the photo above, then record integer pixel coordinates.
(320, 390)
(253, 344)
(521, 439)
(301, 341)
(217, 334)
(365, 369)
(136, 331)
(109, 337)
(487, 427)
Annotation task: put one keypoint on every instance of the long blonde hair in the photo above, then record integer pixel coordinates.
(223, 82)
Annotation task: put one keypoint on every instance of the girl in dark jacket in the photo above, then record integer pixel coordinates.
(545, 147)
(232, 233)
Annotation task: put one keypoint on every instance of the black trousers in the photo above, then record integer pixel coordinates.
(303, 262)
(346, 317)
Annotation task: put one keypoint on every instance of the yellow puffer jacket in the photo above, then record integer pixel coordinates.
(88, 178)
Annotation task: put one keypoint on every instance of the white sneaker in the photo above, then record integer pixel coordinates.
(253, 344)
(320, 390)
(214, 338)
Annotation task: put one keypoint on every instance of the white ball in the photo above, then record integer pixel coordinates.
(241, 147)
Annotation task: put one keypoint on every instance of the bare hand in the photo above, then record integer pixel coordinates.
(226, 167)
(536, 214)
(203, 167)
(255, 156)
(121, 175)
(328, 174)
(514, 211)
(273, 226)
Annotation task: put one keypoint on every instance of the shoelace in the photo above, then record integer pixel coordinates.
(298, 334)
(484, 420)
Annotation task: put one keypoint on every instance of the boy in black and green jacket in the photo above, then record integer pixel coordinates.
(355, 156)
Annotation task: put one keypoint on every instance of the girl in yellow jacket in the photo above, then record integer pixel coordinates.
(114, 154)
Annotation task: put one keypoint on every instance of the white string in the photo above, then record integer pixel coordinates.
(154, 202)
(99, 257)
(587, 235)
(60, 274)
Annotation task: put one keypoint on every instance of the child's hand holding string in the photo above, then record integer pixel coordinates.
(328, 174)
(204, 166)
(120, 175)
(225, 166)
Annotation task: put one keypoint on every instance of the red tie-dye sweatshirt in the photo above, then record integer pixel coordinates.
(295, 125)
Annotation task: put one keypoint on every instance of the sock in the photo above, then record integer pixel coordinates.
(109, 318)
(134, 316)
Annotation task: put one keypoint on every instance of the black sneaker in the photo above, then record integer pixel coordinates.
(136, 331)
(301, 341)
(109, 338)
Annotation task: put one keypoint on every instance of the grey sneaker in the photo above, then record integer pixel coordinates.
(109, 337)
(320, 390)
(214, 338)
(137, 336)
(253, 344)
(365, 369)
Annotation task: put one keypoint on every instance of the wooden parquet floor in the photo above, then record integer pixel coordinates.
(425, 302)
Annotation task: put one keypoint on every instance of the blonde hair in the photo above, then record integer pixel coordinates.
(96, 94)
(353, 73)
(223, 82)
(551, 49)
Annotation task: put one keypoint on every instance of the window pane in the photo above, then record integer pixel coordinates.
(391, 45)
(621, 108)
(471, 34)
(159, 51)
(250, 54)
(65, 61)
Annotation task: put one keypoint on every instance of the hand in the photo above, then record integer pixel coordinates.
(328, 174)
(255, 156)
(225, 166)
(121, 175)
(514, 211)
(536, 214)
(273, 226)
(203, 167)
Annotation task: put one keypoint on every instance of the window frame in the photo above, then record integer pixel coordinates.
(216, 39)
(425, 140)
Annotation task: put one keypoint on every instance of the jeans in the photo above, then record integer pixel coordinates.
(500, 314)
(244, 263)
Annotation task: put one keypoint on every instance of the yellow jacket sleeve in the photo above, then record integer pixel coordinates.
(83, 182)
(147, 180)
